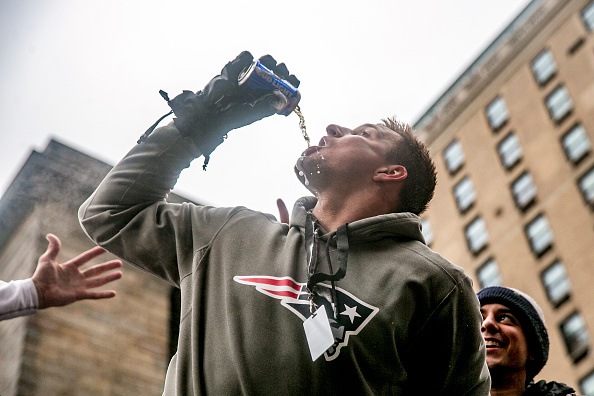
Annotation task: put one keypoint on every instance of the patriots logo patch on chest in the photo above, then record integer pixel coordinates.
(352, 314)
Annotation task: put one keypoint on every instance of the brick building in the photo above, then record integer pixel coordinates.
(118, 346)
(512, 139)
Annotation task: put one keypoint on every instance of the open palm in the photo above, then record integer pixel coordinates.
(62, 284)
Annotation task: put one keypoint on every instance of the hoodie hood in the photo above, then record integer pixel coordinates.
(392, 225)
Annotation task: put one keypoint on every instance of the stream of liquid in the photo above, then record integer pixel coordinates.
(302, 126)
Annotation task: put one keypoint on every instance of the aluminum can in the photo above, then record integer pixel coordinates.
(258, 78)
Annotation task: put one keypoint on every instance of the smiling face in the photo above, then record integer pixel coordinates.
(345, 156)
(507, 347)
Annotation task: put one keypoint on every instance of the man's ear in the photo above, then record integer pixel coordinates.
(390, 173)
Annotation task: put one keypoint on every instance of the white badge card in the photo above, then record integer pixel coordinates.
(318, 332)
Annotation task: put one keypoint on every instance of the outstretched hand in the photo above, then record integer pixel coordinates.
(62, 284)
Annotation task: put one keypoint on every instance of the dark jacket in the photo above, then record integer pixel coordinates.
(543, 388)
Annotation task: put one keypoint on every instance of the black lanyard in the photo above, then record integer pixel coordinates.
(311, 247)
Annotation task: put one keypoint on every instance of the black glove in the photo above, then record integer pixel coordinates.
(206, 116)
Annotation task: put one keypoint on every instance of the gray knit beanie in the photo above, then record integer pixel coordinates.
(531, 319)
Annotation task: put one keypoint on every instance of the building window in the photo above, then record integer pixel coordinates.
(488, 274)
(587, 384)
(588, 16)
(539, 235)
(544, 67)
(576, 143)
(575, 336)
(586, 183)
(477, 236)
(524, 191)
(556, 283)
(454, 156)
(497, 114)
(577, 44)
(427, 231)
(559, 103)
(510, 151)
(464, 194)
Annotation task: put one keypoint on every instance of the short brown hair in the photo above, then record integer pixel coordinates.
(421, 179)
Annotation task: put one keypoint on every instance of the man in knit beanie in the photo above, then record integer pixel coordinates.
(517, 343)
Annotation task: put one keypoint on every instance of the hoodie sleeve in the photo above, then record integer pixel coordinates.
(129, 216)
(450, 350)
(17, 298)
(467, 348)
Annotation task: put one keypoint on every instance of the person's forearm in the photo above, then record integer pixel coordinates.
(17, 298)
(144, 176)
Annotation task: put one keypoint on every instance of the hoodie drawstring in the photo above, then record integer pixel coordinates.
(311, 246)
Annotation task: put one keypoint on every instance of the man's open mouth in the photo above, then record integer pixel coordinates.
(314, 149)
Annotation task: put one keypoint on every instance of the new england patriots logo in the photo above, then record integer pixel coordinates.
(353, 314)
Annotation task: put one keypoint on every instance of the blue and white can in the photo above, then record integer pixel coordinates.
(258, 78)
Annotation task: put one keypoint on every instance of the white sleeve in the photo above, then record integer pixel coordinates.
(17, 298)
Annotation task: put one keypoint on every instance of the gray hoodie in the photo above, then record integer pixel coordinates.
(406, 320)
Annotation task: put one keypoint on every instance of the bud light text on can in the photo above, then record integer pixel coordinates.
(257, 78)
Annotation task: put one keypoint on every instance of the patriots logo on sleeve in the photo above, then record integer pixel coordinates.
(353, 314)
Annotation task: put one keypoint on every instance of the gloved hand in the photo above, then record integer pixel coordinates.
(206, 116)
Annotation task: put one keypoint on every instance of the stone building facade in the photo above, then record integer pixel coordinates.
(512, 140)
(118, 346)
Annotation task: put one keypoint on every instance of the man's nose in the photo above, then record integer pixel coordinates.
(488, 324)
(337, 131)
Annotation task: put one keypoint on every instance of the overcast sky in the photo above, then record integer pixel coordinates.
(87, 73)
